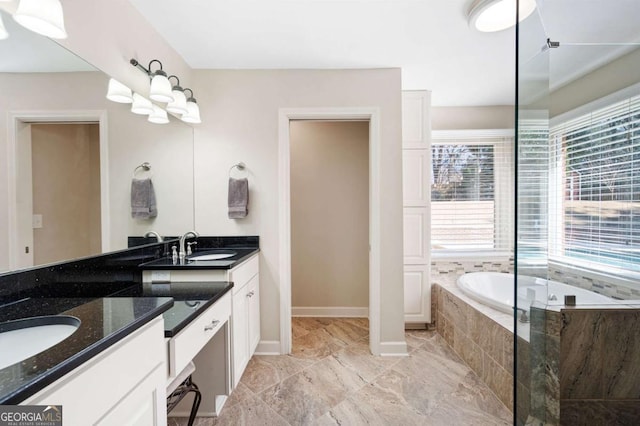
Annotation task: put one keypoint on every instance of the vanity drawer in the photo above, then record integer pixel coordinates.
(184, 346)
(243, 273)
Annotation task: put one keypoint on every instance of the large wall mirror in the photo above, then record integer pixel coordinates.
(65, 181)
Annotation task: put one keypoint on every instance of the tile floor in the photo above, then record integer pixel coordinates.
(332, 379)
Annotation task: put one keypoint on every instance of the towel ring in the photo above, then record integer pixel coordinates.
(144, 166)
(240, 166)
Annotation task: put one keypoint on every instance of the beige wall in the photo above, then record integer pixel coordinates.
(240, 112)
(478, 117)
(329, 213)
(66, 191)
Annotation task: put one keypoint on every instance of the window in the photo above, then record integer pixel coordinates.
(597, 158)
(470, 192)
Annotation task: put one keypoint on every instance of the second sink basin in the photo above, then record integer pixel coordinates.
(210, 255)
(24, 338)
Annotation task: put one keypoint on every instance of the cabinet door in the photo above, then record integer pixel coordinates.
(415, 177)
(416, 247)
(415, 123)
(240, 334)
(254, 314)
(417, 294)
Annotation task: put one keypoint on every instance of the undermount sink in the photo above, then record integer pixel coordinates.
(24, 338)
(213, 256)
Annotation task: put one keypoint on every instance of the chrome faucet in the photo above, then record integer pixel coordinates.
(154, 234)
(182, 254)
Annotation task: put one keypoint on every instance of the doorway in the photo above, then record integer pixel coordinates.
(58, 186)
(329, 218)
(371, 116)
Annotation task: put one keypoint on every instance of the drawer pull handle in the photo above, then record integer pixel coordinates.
(211, 326)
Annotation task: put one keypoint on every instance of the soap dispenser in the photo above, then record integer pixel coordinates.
(174, 255)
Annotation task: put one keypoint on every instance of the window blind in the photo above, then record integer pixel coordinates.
(599, 161)
(533, 194)
(470, 195)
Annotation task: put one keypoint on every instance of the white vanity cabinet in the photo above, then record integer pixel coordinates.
(246, 315)
(124, 384)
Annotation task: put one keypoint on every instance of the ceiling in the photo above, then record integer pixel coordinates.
(429, 39)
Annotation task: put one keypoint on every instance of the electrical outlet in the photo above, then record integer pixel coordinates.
(160, 276)
(36, 221)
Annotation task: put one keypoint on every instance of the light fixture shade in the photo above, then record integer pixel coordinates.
(160, 88)
(118, 92)
(3, 31)
(141, 105)
(179, 104)
(42, 16)
(158, 116)
(193, 113)
(498, 15)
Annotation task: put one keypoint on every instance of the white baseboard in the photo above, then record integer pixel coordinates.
(336, 311)
(393, 349)
(268, 347)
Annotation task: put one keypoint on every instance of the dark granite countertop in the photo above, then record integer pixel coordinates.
(94, 335)
(190, 300)
(166, 263)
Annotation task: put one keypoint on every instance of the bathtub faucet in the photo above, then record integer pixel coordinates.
(524, 317)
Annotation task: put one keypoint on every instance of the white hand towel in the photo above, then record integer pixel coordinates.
(238, 198)
(143, 199)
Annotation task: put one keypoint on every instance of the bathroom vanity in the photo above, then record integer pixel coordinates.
(141, 322)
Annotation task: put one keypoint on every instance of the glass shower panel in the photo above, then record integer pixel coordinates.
(578, 209)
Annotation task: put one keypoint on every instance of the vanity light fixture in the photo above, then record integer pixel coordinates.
(160, 86)
(118, 92)
(498, 15)
(141, 105)
(42, 16)
(193, 111)
(158, 116)
(179, 104)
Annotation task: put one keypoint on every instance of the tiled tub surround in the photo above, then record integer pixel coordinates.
(480, 335)
(586, 369)
(607, 285)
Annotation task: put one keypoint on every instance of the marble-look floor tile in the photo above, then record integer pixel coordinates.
(239, 394)
(250, 412)
(417, 338)
(305, 396)
(264, 371)
(316, 344)
(358, 359)
(345, 332)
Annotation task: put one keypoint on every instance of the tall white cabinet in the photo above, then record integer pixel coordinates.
(416, 177)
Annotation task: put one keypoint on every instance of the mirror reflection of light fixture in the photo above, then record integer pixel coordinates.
(498, 15)
(42, 16)
(158, 116)
(193, 111)
(118, 92)
(141, 105)
(179, 104)
(3, 31)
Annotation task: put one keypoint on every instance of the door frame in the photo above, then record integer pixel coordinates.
(14, 122)
(372, 115)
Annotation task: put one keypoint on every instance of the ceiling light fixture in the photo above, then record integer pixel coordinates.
(179, 104)
(42, 16)
(193, 111)
(118, 92)
(498, 15)
(160, 86)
